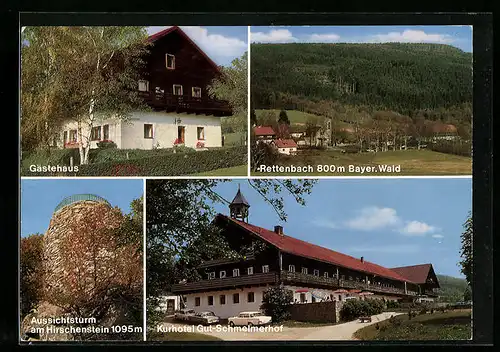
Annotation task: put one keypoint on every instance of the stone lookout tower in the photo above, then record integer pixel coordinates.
(68, 213)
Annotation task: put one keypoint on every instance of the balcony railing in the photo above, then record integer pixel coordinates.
(185, 102)
(339, 283)
(227, 282)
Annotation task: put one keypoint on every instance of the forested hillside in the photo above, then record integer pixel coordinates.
(431, 80)
(452, 288)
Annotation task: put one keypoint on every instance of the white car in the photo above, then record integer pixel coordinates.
(184, 314)
(249, 319)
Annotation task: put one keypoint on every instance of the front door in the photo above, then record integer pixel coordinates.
(181, 133)
(170, 306)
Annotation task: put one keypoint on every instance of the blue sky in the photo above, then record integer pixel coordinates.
(40, 197)
(459, 36)
(391, 222)
(221, 43)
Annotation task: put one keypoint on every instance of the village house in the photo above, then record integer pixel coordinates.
(174, 85)
(264, 134)
(313, 273)
(286, 146)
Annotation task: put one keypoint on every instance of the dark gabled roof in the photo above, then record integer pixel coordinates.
(301, 248)
(414, 273)
(240, 199)
(154, 37)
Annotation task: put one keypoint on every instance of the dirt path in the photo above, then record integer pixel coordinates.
(329, 332)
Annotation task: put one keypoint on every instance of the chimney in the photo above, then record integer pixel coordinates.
(362, 259)
(278, 229)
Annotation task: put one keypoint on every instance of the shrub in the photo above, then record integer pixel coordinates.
(452, 147)
(169, 164)
(393, 304)
(354, 308)
(106, 144)
(276, 302)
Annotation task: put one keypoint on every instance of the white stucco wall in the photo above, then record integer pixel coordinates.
(229, 309)
(114, 131)
(287, 151)
(165, 130)
(129, 134)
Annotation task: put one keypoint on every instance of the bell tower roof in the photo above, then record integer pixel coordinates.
(240, 199)
(238, 208)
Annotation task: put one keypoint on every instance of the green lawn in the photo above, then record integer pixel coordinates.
(452, 325)
(181, 336)
(412, 162)
(241, 170)
(295, 117)
(234, 139)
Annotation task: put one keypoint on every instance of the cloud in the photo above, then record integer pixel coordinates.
(325, 223)
(437, 236)
(373, 218)
(417, 228)
(412, 36)
(393, 249)
(322, 38)
(213, 44)
(273, 36)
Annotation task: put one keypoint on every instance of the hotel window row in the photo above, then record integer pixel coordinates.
(98, 133)
(222, 299)
(236, 272)
(177, 89)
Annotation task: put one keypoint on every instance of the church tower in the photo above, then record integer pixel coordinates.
(238, 209)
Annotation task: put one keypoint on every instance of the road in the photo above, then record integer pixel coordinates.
(328, 332)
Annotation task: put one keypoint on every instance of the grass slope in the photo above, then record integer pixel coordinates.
(413, 162)
(296, 117)
(452, 288)
(229, 171)
(452, 325)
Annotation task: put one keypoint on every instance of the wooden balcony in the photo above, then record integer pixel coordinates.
(187, 103)
(226, 283)
(294, 277)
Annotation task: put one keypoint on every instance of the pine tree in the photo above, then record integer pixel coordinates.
(466, 251)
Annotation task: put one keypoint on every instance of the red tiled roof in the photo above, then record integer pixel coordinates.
(414, 273)
(301, 248)
(161, 34)
(443, 128)
(285, 143)
(264, 131)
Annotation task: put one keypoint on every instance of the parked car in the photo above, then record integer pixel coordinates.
(249, 319)
(205, 318)
(184, 314)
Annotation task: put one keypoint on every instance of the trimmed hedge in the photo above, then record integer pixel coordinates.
(97, 156)
(171, 164)
(456, 148)
(356, 308)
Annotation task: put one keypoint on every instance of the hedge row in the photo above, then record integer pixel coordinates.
(457, 148)
(106, 155)
(356, 308)
(173, 164)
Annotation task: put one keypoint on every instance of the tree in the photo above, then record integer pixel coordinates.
(466, 250)
(253, 118)
(283, 131)
(232, 86)
(31, 278)
(467, 294)
(267, 118)
(93, 76)
(312, 129)
(283, 118)
(180, 230)
(276, 302)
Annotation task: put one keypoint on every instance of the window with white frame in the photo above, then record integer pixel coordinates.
(325, 274)
(73, 136)
(170, 61)
(304, 270)
(265, 268)
(222, 274)
(316, 272)
(177, 89)
(211, 275)
(291, 268)
(236, 272)
(250, 270)
(196, 92)
(95, 133)
(143, 85)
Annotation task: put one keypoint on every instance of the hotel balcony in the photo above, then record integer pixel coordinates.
(226, 283)
(300, 278)
(186, 103)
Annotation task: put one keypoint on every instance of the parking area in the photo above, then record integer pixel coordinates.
(328, 332)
